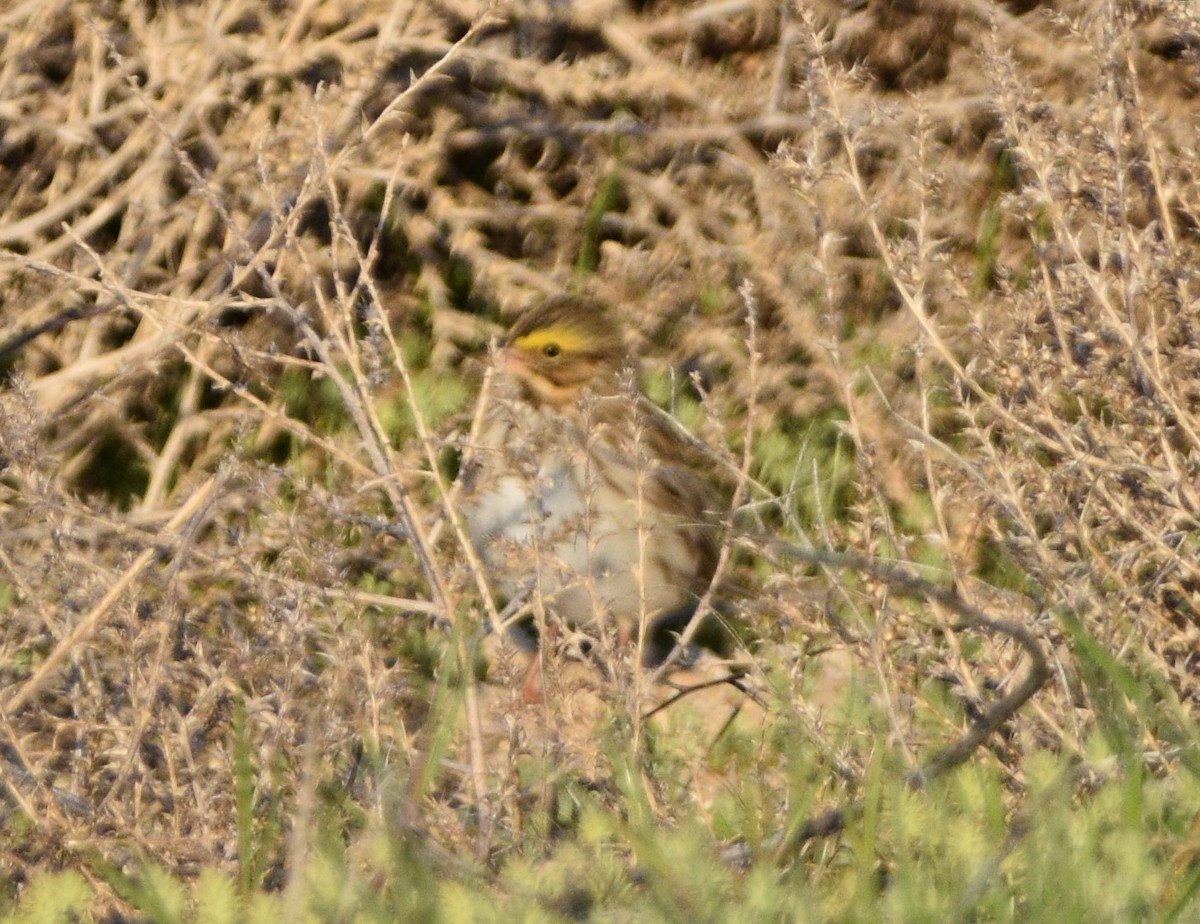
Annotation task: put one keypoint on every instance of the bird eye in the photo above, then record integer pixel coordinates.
(552, 349)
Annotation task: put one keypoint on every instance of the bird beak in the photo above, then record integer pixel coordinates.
(507, 361)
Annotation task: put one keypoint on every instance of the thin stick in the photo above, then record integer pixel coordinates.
(905, 582)
(88, 625)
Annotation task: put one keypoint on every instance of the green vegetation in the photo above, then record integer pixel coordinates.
(937, 337)
(1122, 851)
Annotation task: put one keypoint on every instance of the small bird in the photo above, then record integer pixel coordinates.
(579, 492)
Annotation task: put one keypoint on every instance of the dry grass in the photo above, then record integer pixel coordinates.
(252, 248)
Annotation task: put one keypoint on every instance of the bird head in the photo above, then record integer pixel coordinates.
(562, 348)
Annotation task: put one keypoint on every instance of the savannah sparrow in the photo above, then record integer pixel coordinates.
(579, 493)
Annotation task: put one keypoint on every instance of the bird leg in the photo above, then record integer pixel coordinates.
(531, 687)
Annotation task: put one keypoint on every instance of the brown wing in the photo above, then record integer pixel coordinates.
(692, 498)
